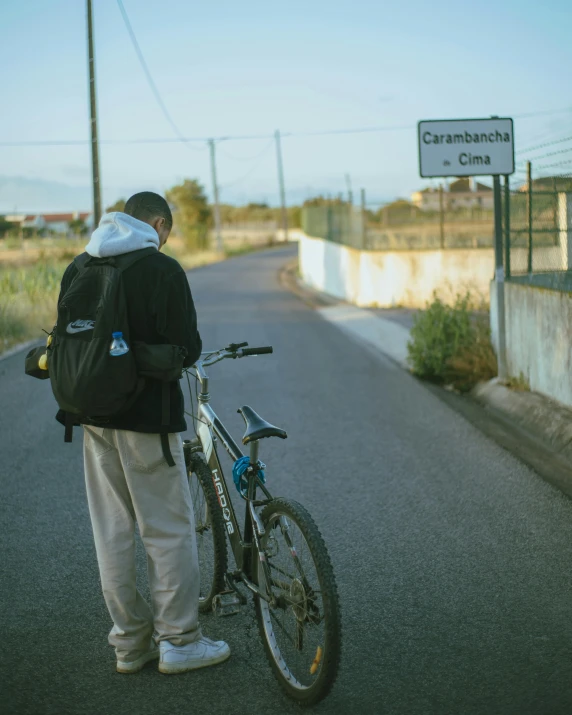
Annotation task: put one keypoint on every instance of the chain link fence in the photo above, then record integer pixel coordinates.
(538, 232)
(397, 228)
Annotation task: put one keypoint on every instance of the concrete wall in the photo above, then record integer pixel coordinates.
(538, 331)
(389, 278)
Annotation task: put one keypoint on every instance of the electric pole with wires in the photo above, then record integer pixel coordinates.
(93, 121)
(281, 183)
(215, 197)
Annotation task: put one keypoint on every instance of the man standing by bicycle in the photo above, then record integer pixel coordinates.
(134, 464)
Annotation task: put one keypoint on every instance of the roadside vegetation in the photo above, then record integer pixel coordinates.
(28, 296)
(30, 281)
(451, 344)
(31, 266)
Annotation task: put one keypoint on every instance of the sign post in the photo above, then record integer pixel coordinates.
(474, 147)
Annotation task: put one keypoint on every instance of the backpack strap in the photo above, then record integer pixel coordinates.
(167, 449)
(165, 419)
(80, 261)
(126, 260)
(69, 423)
(121, 262)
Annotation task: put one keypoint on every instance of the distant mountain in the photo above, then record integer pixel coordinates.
(22, 195)
(32, 196)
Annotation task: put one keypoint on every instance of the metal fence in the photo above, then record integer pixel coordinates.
(537, 234)
(339, 223)
(404, 228)
(537, 229)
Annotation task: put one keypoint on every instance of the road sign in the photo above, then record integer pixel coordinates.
(466, 147)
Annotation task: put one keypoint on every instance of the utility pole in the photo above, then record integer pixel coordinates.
(281, 184)
(93, 121)
(215, 195)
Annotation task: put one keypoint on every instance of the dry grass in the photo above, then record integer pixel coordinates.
(519, 384)
(28, 297)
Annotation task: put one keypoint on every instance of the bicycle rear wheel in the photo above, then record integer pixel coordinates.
(301, 635)
(210, 531)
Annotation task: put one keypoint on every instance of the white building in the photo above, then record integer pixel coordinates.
(54, 223)
(463, 193)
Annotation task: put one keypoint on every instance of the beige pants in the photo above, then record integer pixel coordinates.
(128, 481)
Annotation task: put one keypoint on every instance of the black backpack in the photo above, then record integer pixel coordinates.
(86, 380)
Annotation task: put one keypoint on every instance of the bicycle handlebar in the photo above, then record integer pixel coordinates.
(233, 351)
(256, 351)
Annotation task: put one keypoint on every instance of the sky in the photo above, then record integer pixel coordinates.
(229, 69)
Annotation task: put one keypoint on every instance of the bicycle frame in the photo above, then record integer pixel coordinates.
(241, 544)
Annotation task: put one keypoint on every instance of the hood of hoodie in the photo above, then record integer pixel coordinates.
(119, 233)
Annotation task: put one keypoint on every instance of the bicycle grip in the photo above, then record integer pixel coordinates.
(257, 351)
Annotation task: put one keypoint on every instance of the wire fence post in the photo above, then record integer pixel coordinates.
(441, 218)
(507, 227)
(363, 219)
(350, 192)
(529, 212)
(500, 281)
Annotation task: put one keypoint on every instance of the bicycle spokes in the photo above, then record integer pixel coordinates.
(297, 618)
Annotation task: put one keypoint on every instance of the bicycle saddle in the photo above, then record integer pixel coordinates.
(257, 428)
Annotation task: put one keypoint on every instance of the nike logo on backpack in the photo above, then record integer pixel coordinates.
(78, 326)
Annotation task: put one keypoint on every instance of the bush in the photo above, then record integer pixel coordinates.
(452, 344)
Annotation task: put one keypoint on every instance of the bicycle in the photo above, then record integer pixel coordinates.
(281, 558)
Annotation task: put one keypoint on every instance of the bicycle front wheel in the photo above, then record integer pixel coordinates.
(209, 530)
(301, 633)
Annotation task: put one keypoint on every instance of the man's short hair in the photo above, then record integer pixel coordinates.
(148, 205)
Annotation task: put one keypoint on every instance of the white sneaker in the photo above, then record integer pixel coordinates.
(202, 653)
(135, 666)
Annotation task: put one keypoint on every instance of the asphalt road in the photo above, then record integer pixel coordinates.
(452, 558)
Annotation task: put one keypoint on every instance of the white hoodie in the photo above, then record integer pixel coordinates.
(119, 233)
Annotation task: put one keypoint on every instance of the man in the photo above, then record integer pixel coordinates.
(127, 476)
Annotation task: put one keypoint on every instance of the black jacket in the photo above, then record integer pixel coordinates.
(161, 311)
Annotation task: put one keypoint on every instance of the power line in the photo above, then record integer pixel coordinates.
(543, 113)
(251, 170)
(243, 158)
(240, 137)
(147, 73)
(55, 142)
(362, 130)
(245, 137)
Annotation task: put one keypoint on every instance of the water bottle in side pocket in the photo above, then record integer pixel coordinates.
(118, 345)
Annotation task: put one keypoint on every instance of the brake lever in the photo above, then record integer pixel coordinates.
(235, 346)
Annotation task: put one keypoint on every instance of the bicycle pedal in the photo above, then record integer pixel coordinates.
(226, 603)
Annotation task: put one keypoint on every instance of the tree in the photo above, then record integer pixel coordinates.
(119, 205)
(257, 206)
(323, 201)
(192, 215)
(78, 227)
(5, 226)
